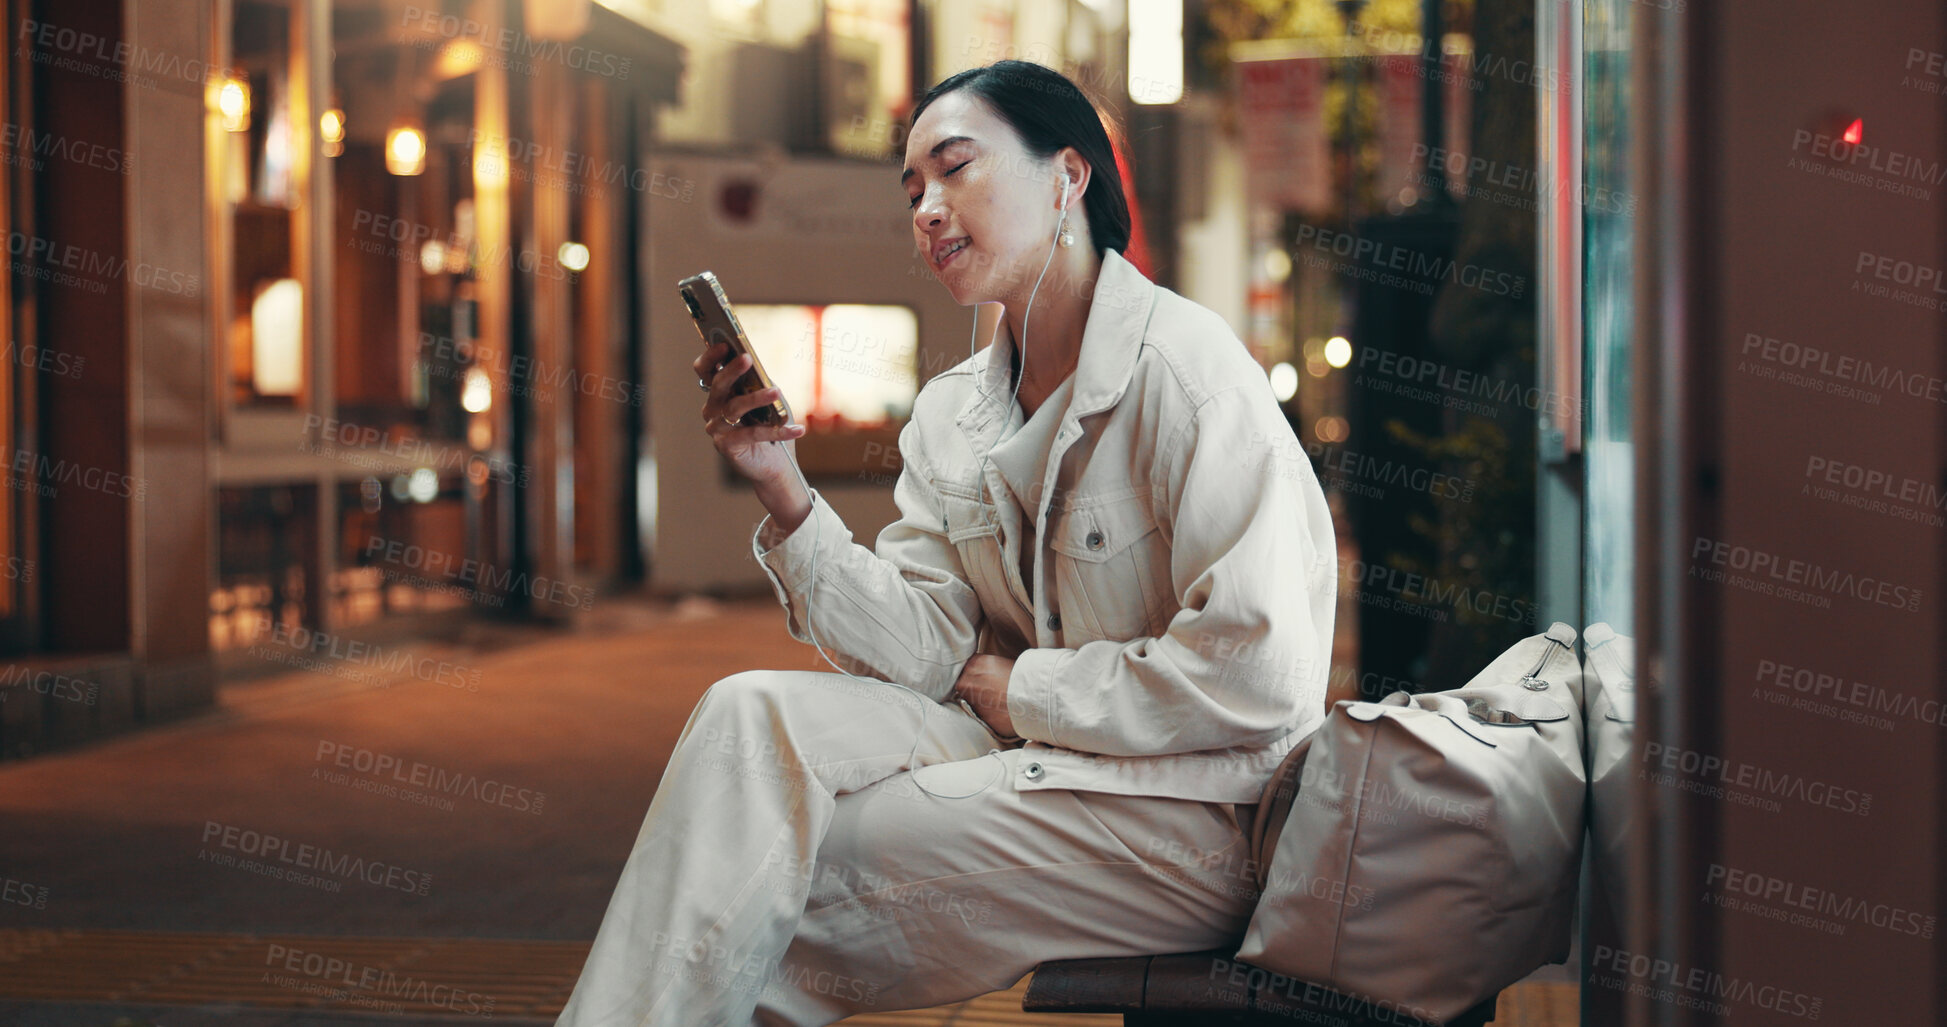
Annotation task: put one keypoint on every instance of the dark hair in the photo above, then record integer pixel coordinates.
(1050, 112)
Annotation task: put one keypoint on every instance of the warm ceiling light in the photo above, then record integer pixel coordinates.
(405, 150)
(331, 128)
(233, 102)
(573, 256)
(477, 397)
(1284, 381)
(1277, 265)
(1338, 351)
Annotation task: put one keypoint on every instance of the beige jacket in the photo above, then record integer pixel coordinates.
(1178, 634)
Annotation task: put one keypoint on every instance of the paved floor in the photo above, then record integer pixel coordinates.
(459, 818)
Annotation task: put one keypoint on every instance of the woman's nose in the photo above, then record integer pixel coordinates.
(929, 214)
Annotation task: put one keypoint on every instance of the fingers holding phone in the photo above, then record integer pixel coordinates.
(747, 446)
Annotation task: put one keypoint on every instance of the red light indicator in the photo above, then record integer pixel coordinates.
(1855, 132)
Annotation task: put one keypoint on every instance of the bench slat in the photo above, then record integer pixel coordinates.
(1160, 990)
(1088, 986)
(1194, 982)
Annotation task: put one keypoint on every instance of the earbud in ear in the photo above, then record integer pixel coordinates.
(1063, 234)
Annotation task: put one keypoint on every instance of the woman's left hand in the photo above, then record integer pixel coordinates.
(983, 683)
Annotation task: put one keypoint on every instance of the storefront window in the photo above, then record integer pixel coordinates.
(868, 73)
(260, 114)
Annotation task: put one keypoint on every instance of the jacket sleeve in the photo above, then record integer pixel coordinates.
(904, 613)
(1252, 560)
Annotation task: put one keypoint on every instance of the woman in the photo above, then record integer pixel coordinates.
(1111, 556)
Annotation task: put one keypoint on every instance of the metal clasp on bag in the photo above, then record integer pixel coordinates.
(1532, 681)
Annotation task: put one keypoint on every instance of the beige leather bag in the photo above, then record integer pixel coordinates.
(1421, 852)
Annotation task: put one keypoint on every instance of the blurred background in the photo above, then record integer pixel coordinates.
(347, 410)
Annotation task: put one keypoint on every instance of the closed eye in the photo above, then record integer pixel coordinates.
(914, 200)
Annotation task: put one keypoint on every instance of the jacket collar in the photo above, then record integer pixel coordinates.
(1118, 316)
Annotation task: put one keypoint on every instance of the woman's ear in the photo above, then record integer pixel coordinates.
(1069, 163)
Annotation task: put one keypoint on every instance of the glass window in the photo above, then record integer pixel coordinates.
(1608, 216)
(850, 372)
(845, 367)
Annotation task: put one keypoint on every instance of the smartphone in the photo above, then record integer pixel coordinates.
(715, 321)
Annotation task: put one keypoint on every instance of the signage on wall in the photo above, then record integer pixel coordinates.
(1286, 151)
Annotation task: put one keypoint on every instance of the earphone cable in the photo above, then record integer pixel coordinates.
(817, 536)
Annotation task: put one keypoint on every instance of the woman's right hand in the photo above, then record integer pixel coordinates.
(751, 449)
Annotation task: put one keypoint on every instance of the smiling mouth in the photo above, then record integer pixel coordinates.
(946, 253)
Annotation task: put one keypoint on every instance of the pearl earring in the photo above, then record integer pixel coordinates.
(1067, 236)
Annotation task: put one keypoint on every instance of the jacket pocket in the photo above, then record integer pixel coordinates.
(1110, 563)
(973, 528)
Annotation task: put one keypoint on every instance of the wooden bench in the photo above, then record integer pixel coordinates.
(1209, 989)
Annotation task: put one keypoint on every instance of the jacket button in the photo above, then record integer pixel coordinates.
(1094, 540)
(1054, 622)
(1033, 771)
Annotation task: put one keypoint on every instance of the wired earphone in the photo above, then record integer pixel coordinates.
(1063, 237)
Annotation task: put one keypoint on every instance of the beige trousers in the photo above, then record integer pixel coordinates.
(797, 866)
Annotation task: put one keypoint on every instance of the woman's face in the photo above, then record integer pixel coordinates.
(984, 209)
